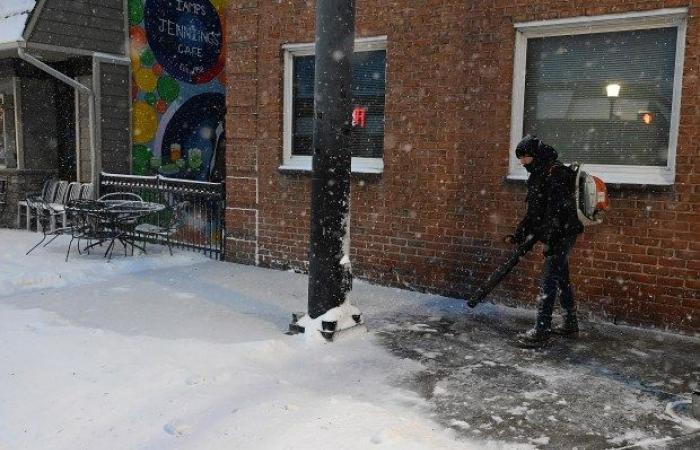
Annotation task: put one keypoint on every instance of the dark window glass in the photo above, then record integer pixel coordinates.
(8, 149)
(603, 98)
(3, 150)
(368, 87)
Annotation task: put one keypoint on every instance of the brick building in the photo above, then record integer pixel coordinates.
(449, 88)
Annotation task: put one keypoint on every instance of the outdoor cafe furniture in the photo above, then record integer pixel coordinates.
(45, 217)
(47, 195)
(70, 193)
(167, 230)
(53, 197)
(111, 219)
(3, 194)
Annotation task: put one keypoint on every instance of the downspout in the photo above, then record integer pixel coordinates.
(91, 110)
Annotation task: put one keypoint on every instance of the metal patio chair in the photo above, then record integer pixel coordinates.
(86, 226)
(3, 194)
(58, 207)
(127, 224)
(45, 218)
(86, 192)
(164, 233)
(47, 194)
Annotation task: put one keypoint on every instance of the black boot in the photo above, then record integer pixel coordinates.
(534, 337)
(569, 328)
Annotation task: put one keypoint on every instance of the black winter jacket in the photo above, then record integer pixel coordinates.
(551, 205)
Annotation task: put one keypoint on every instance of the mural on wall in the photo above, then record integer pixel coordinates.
(178, 93)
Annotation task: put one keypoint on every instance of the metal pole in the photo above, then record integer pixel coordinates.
(330, 186)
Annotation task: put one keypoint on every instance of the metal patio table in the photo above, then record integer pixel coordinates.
(109, 220)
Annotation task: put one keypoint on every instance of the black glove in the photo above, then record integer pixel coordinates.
(521, 233)
(521, 238)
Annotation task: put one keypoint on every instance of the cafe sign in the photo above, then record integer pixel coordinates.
(186, 38)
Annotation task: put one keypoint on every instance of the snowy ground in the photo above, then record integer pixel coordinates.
(161, 352)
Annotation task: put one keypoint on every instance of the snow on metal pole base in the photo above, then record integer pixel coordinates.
(328, 329)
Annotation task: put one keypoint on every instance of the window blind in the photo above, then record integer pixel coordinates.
(368, 90)
(568, 106)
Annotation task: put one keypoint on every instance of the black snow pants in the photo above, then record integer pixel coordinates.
(555, 278)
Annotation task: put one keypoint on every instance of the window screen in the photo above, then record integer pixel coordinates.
(571, 103)
(368, 87)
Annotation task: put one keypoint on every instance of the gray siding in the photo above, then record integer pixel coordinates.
(7, 69)
(115, 100)
(96, 25)
(19, 184)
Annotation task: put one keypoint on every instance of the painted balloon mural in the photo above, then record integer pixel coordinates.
(178, 94)
(178, 99)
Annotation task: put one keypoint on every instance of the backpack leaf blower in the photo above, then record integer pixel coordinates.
(500, 273)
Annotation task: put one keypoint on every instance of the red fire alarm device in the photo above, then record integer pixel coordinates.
(358, 117)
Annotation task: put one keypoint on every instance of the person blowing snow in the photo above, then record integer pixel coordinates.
(551, 218)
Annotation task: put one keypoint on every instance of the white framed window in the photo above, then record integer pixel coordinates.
(368, 88)
(604, 91)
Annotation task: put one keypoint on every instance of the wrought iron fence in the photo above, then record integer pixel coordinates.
(200, 226)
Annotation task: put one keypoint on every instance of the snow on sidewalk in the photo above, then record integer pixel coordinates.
(45, 266)
(160, 352)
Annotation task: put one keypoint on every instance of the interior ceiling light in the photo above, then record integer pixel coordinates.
(613, 90)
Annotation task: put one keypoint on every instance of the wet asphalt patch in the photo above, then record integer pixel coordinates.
(607, 389)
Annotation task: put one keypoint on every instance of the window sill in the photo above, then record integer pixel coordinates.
(611, 186)
(618, 175)
(16, 171)
(364, 173)
(294, 170)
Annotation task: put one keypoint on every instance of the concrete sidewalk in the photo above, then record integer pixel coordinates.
(609, 388)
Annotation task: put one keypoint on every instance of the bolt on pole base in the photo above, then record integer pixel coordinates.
(329, 330)
(294, 327)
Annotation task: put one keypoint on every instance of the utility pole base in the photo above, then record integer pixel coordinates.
(329, 330)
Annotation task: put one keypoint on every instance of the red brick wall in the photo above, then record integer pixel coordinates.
(434, 219)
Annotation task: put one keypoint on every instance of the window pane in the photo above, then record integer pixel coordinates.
(303, 105)
(567, 104)
(8, 150)
(369, 84)
(3, 150)
(368, 87)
